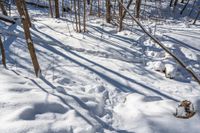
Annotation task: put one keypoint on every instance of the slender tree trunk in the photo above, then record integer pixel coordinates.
(91, 12)
(108, 11)
(79, 16)
(84, 16)
(26, 13)
(171, 2)
(99, 11)
(175, 4)
(184, 7)
(137, 7)
(120, 15)
(75, 13)
(124, 13)
(3, 9)
(62, 8)
(22, 11)
(50, 8)
(3, 53)
(57, 9)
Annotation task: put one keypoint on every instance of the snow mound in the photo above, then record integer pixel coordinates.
(170, 71)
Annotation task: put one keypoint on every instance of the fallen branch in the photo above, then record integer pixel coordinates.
(36, 4)
(162, 46)
(7, 19)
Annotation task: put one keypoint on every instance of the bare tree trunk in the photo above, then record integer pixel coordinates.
(137, 8)
(108, 11)
(57, 9)
(175, 4)
(99, 11)
(84, 16)
(171, 2)
(62, 8)
(184, 7)
(3, 53)
(3, 9)
(76, 19)
(26, 13)
(79, 16)
(22, 11)
(50, 8)
(124, 13)
(91, 1)
(120, 15)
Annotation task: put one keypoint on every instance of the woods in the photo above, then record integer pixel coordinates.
(80, 13)
(100, 66)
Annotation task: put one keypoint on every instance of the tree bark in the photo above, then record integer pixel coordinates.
(26, 13)
(91, 1)
(99, 11)
(84, 16)
(75, 13)
(108, 11)
(50, 8)
(137, 8)
(79, 16)
(171, 2)
(120, 15)
(3, 9)
(57, 13)
(3, 53)
(21, 9)
(62, 8)
(184, 7)
(124, 13)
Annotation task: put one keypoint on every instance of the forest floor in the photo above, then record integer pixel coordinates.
(99, 81)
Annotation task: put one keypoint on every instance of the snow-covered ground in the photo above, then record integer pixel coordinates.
(98, 81)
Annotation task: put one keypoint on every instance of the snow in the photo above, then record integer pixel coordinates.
(99, 81)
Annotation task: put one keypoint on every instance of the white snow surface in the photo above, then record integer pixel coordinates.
(100, 81)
